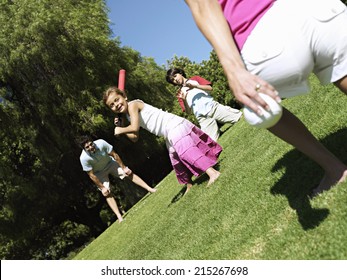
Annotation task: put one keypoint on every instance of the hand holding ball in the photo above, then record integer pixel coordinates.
(269, 118)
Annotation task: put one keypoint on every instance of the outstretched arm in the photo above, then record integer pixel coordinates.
(132, 130)
(210, 20)
(105, 191)
(181, 95)
(117, 158)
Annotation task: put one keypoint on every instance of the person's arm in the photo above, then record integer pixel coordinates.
(201, 83)
(181, 95)
(118, 120)
(198, 86)
(105, 191)
(117, 158)
(132, 130)
(210, 20)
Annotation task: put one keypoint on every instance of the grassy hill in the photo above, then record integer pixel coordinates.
(257, 209)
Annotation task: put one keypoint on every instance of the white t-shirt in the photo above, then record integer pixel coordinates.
(98, 161)
(198, 100)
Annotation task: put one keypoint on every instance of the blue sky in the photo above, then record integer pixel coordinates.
(158, 29)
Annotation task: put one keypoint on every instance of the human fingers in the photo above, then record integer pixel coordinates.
(247, 88)
(127, 171)
(263, 88)
(105, 191)
(116, 121)
(268, 89)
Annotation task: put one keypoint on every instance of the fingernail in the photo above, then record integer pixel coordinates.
(278, 99)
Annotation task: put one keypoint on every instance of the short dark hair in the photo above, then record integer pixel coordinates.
(172, 72)
(82, 140)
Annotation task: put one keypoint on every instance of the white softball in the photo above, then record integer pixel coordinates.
(269, 118)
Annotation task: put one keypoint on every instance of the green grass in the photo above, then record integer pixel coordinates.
(257, 209)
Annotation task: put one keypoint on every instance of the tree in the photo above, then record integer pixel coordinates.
(215, 73)
(56, 59)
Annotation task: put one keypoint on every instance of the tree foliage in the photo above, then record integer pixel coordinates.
(56, 59)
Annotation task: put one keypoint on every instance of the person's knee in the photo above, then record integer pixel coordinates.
(109, 196)
(130, 177)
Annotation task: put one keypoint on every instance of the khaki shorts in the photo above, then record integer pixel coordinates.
(113, 169)
(219, 114)
(295, 38)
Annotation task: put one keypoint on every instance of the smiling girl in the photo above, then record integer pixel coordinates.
(191, 151)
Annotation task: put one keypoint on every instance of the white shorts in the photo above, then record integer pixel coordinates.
(295, 38)
(112, 169)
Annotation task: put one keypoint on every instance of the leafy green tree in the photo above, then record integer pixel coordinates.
(56, 59)
(49, 75)
(213, 70)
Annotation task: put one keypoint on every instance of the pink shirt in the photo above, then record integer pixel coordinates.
(243, 16)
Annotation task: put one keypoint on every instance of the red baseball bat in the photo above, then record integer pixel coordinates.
(121, 86)
(121, 79)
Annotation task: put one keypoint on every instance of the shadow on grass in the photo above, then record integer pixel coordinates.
(178, 196)
(302, 175)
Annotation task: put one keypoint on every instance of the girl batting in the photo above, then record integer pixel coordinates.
(191, 151)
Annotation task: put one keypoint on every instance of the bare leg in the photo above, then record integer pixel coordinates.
(138, 181)
(113, 205)
(342, 84)
(294, 132)
(189, 186)
(213, 174)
